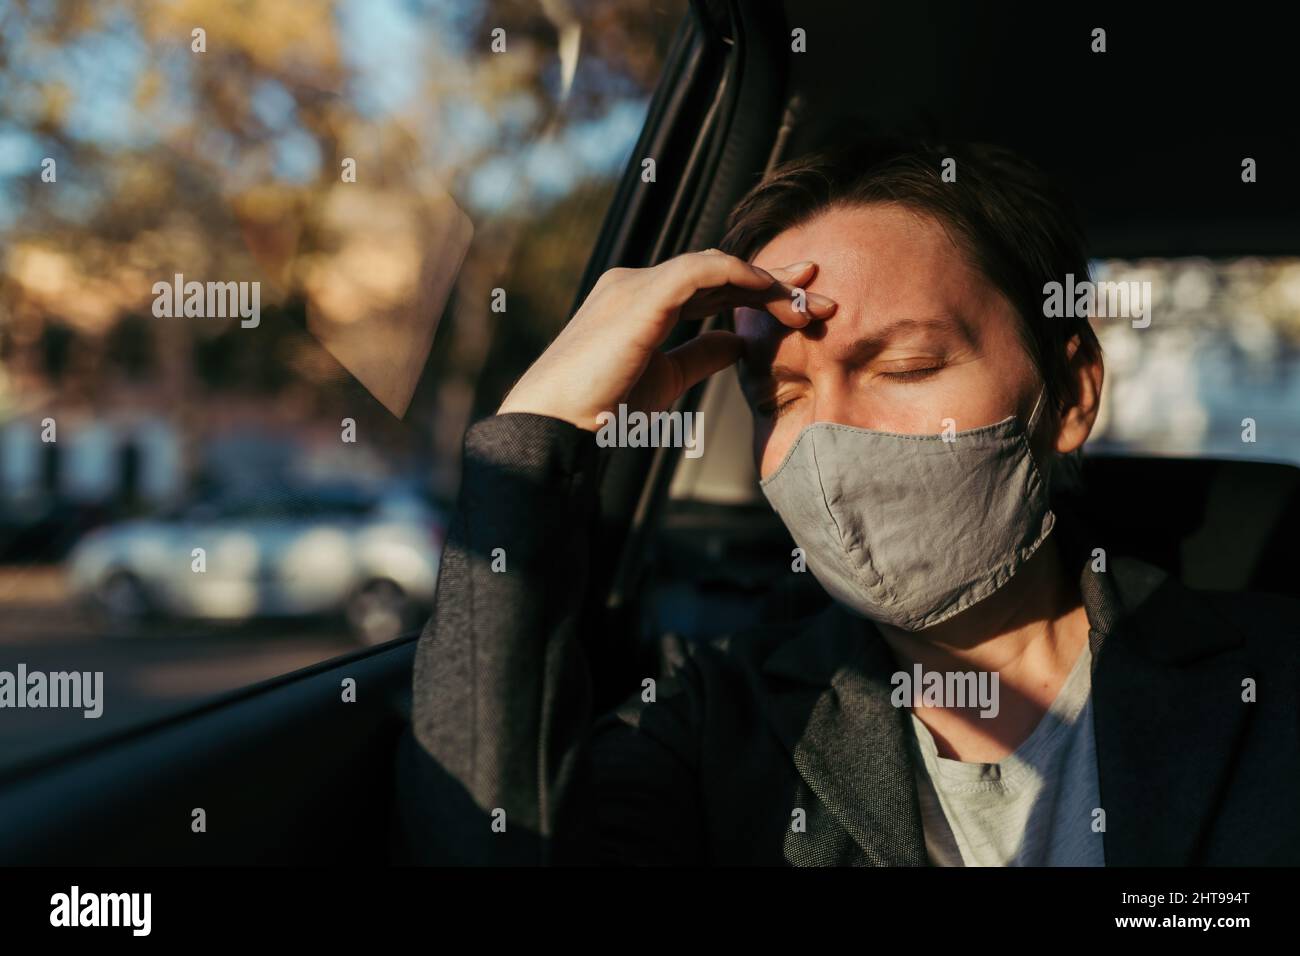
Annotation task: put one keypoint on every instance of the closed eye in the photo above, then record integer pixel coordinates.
(775, 410)
(913, 374)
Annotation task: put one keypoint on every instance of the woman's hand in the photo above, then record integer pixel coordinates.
(609, 352)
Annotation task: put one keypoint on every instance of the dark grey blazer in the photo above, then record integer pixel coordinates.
(761, 723)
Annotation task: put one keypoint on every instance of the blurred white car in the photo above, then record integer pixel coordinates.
(279, 554)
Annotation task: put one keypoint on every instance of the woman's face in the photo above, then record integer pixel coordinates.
(919, 336)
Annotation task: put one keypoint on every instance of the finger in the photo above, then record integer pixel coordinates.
(797, 306)
(708, 302)
(791, 305)
(686, 275)
(799, 273)
(707, 353)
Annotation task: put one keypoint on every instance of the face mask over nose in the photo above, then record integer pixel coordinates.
(911, 530)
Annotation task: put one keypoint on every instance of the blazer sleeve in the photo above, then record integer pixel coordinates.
(506, 763)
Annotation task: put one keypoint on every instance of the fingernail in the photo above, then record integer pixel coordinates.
(799, 266)
(820, 302)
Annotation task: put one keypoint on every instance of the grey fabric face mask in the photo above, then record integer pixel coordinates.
(911, 530)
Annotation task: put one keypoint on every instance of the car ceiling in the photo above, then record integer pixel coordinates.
(1149, 136)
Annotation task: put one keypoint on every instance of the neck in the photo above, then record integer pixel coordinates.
(1030, 632)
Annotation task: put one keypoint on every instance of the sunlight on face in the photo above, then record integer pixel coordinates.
(919, 335)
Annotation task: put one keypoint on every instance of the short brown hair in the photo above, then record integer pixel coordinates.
(1018, 227)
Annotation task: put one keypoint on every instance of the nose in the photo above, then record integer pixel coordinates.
(834, 402)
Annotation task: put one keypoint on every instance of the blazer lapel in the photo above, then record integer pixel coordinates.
(829, 703)
(1168, 714)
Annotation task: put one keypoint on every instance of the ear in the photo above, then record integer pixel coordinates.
(1085, 373)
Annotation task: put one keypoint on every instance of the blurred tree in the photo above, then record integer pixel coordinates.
(226, 164)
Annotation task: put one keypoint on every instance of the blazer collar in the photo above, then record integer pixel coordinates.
(1166, 684)
(1159, 692)
(832, 712)
(1167, 714)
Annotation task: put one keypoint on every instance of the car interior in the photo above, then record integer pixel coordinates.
(687, 548)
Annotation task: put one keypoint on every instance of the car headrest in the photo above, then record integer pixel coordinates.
(1215, 524)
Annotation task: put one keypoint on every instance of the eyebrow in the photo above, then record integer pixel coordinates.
(864, 347)
(870, 344)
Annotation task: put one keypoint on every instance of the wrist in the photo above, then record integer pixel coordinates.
(516, 406)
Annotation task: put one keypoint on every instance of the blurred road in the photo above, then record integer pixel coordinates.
(148, 673)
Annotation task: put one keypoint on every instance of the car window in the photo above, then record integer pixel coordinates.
(1214, 371)
(273, 245)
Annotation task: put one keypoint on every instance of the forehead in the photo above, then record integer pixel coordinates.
(853, 240)
(882, 264)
